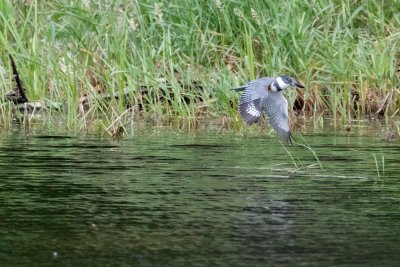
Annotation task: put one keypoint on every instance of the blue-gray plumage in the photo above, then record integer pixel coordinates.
(264, 96)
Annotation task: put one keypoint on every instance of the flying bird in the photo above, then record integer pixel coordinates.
(264, 96)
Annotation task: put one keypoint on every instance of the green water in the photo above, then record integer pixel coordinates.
(204, 199)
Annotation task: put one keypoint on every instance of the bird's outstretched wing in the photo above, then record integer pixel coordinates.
(250, 101)
(250, 105)
(276, 107)
(250, 109)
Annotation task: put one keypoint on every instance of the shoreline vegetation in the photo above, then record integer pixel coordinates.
(103, 66)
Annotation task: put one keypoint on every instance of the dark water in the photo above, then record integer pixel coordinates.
(206, 199)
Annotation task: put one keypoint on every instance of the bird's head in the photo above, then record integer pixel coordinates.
(283, 82)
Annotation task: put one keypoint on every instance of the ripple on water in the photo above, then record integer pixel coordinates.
(203, 200)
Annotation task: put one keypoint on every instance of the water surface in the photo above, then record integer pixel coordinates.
(204, 199)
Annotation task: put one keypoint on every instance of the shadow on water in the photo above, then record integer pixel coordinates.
(202, 199)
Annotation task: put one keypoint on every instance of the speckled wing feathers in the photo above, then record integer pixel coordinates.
(276, 107)
(250, 110)
(250, 100)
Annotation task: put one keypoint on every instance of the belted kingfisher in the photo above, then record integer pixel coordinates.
(264, 95)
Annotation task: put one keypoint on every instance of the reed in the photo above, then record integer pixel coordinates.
(380, 170)
(188, 54)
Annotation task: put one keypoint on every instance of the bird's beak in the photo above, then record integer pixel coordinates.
(298, 85)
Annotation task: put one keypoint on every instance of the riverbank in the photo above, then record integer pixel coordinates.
(178, 60)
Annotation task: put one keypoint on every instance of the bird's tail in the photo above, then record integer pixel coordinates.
(239, 89)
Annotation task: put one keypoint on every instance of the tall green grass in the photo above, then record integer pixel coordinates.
(192, 52)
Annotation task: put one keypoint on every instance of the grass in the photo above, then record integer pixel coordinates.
(298, 162)
(380, 171)
(188, 54)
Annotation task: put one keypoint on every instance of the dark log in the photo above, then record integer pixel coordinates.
(17, 95)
